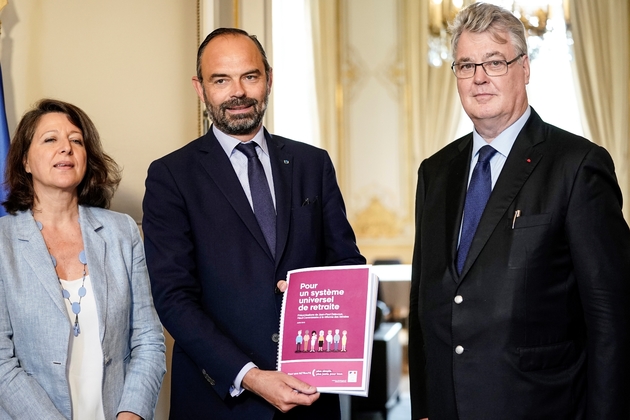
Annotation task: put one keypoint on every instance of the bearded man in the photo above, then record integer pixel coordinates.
(225, 218)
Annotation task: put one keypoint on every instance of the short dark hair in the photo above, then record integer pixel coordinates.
(234, 32)
(102, 174)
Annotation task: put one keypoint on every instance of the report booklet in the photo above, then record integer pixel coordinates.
(327, 327)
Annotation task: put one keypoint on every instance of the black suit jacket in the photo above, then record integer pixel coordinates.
(541, 310)
(213, 277)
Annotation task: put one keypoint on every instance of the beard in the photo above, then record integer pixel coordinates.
(241, 124)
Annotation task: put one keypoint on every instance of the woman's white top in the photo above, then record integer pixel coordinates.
(85, 361)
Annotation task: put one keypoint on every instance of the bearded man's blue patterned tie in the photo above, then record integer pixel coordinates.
(261, 195)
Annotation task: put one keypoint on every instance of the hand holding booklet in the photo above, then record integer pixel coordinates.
(327, 327)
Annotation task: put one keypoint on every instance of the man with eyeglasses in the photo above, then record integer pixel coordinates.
(521, 266)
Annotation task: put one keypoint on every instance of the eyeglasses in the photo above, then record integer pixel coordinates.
(492, 68)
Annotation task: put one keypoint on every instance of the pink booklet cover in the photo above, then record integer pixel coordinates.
(327, 327)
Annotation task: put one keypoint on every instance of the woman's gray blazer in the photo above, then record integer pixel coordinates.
(35, 328)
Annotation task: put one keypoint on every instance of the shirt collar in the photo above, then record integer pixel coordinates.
(229, 143)
(503, 142)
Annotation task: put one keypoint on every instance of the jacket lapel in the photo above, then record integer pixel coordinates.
(282, 169)
(94, 246)
(218, 166)
(455, 194)
(35, 253)
(519, 165)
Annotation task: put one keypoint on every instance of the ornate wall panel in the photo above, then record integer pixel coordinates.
(375, 165)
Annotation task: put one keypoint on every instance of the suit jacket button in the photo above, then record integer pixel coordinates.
(459, 349)
(275, 337)
(458, 299)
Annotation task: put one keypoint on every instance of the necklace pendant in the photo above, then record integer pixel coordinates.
(76, 308)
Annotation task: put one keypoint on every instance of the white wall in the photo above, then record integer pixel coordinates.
(128, 64)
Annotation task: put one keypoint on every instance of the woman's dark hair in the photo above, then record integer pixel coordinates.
(102, 174)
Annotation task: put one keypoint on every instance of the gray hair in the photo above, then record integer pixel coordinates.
(482, 17)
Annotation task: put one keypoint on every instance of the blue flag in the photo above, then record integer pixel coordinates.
(5, 140)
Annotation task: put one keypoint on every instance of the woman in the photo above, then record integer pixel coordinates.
(79, 337)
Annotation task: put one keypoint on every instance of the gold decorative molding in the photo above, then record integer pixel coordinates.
(392, 74)
(236, 14)
(353, 72)
(376, 221)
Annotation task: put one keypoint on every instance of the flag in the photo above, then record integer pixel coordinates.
(4, 145)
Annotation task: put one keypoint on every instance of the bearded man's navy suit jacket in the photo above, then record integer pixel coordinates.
(213, 276)
(541, 307)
